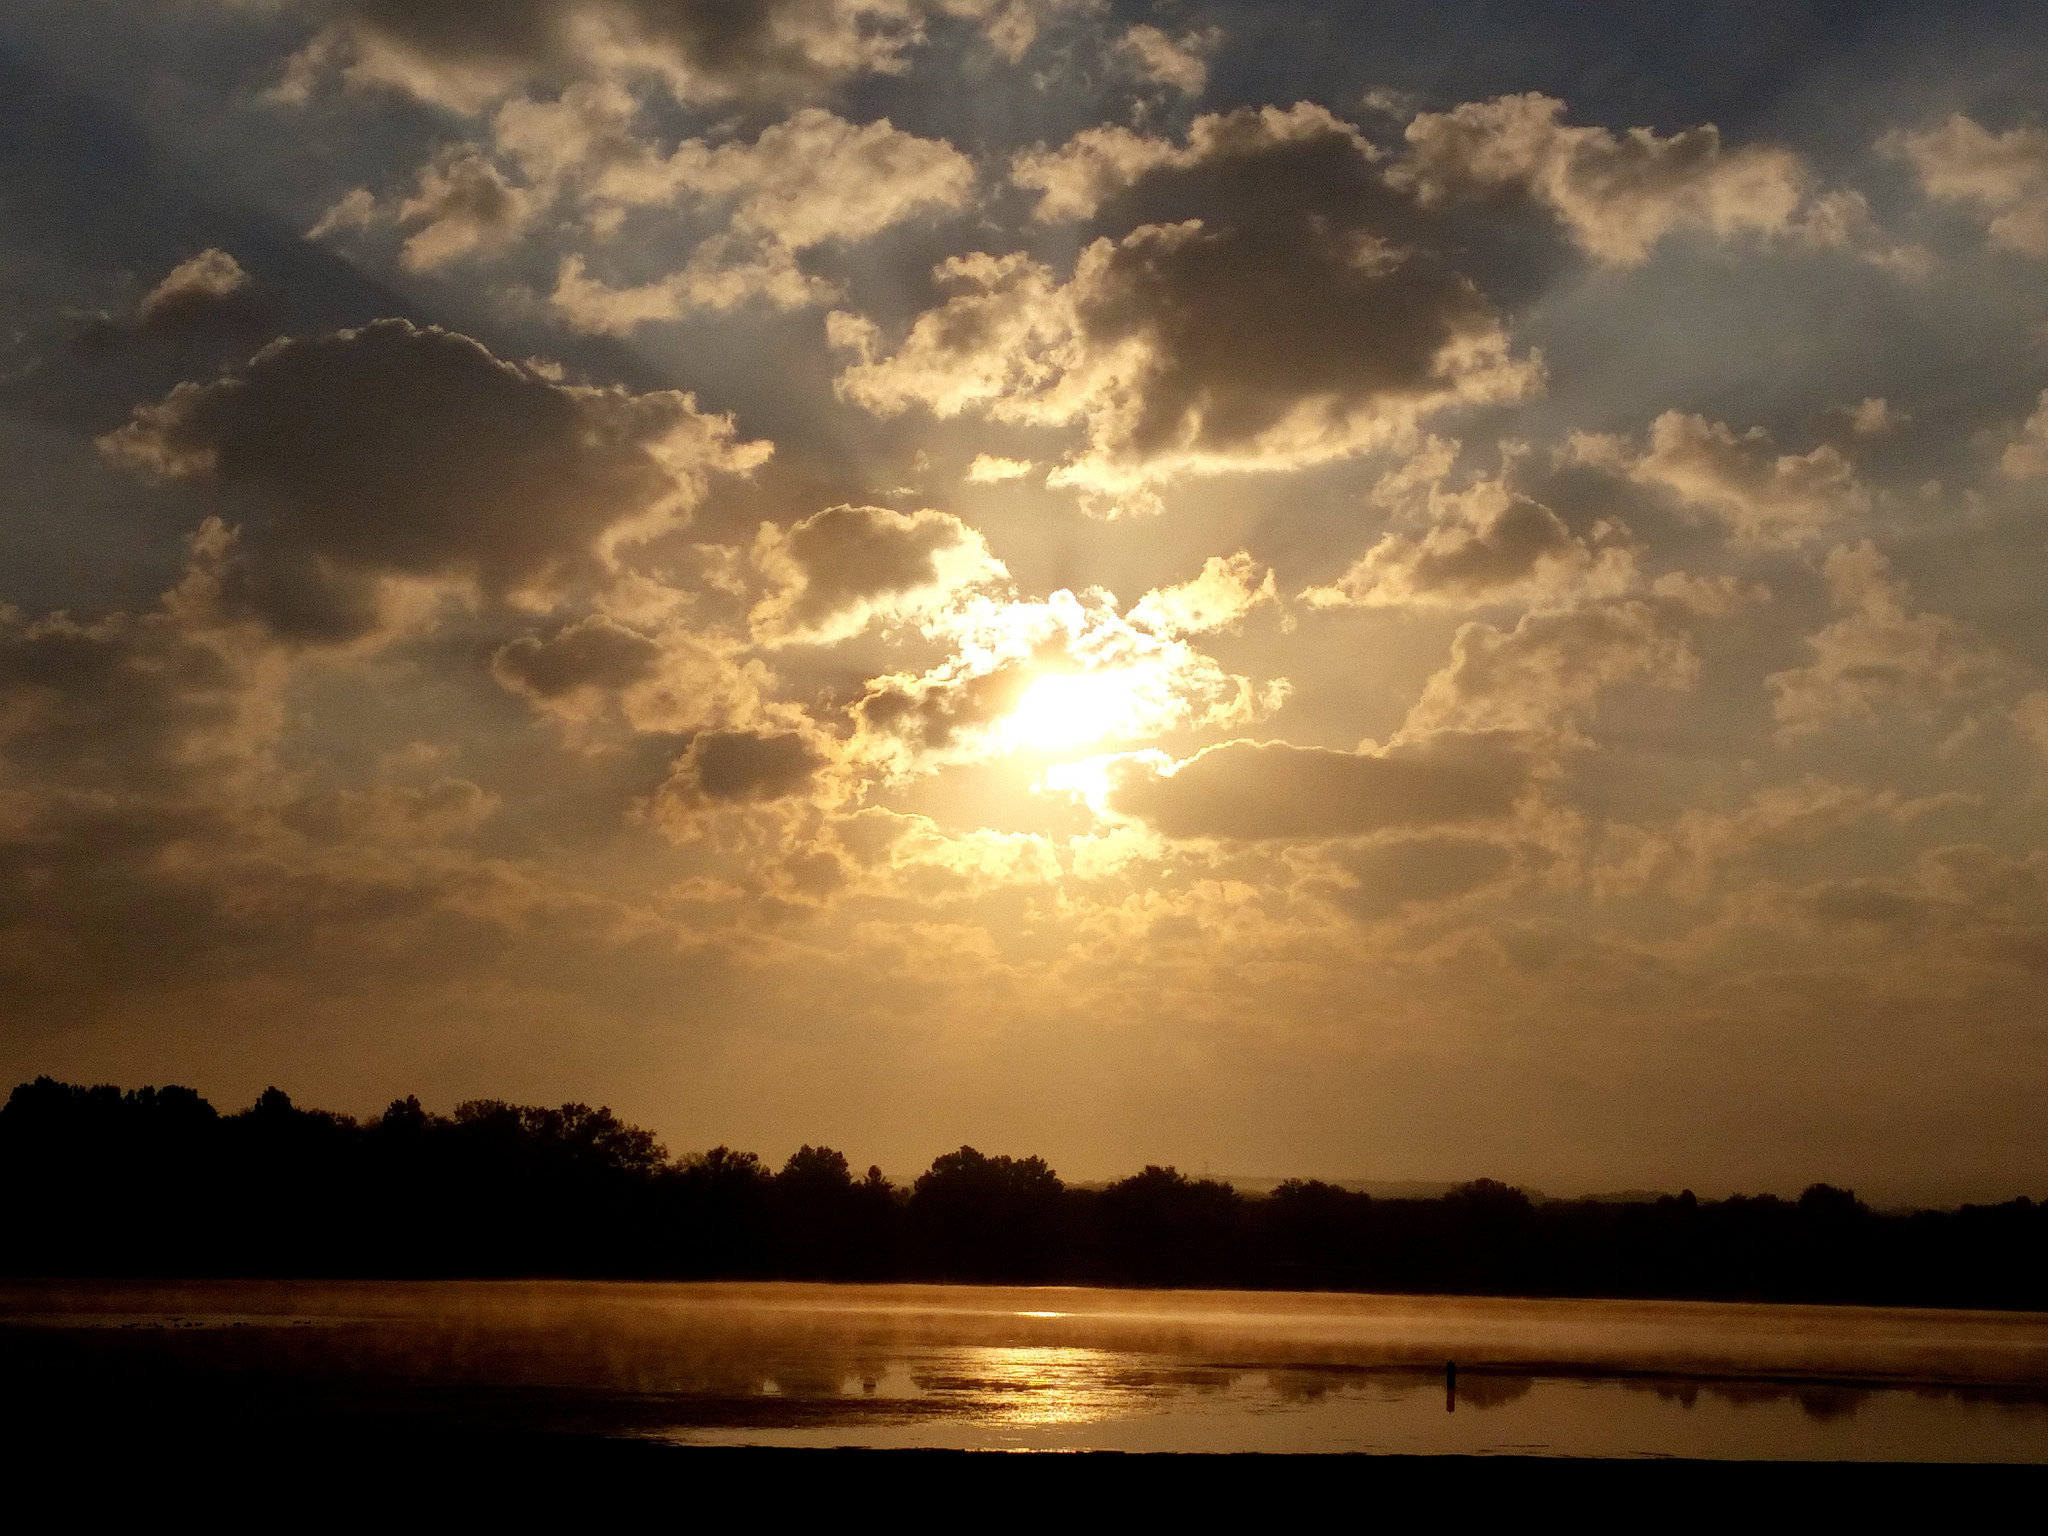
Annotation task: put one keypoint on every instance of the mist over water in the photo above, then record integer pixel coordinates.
(1060, 1368)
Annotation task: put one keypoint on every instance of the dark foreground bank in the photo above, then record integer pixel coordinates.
(95, 1181)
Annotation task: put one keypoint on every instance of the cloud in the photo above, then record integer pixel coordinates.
(809, 180)
(1488, 545)
(1618, 194)
(718, 277)
(1063, 673)
(2030, 718)
(1251, 791)
(2026, 456)
(1687, 858)
(1965, 899)
(394, 450)
(2003, 176)
(444, 811)
(1874, 418)
(1878, 652)
(356, 209)
(1766, 500)
(1167, 61)
(988, 469)
(1074, 180)
(839, 570)
(461, 56)
(1550, 669)
(1228, 588)
(463, 206)
(1388, 875)
(1183, 349)
(1011, 26)
(726, 767)
(667, 681)
(209, 289)
(592, 653)
(127, 705)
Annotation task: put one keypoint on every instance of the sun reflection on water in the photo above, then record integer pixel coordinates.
(1020, 1385)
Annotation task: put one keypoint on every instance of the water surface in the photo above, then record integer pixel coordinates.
(1060, 1368)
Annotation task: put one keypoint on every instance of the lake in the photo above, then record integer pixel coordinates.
(1067, 1369)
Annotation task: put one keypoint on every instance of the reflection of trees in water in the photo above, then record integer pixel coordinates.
(1488, 1391)
(1302, 1387)
(1683, 1393)
(1823, 1402)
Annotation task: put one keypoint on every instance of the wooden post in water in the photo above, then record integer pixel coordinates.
(1450, 1386)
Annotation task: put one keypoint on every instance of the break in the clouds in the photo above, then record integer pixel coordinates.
(1408, 595)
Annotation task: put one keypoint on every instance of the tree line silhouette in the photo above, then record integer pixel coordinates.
(156, 1182)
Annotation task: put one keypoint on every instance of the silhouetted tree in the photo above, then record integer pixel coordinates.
(988, 1218)
(724, 1204)
(1160, 1227)
(154, 1181)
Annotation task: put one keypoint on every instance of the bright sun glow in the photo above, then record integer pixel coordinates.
(1071, 709)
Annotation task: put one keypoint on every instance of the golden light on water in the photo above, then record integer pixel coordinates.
(1030, 1385)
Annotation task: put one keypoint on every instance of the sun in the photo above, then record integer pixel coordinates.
(1072, 709)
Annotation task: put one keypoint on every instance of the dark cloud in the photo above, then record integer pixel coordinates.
(1405, 871)
(1275, 328)
(748, 765)
(850, 553)
(835, 571)
(1491, 544)
(461, 52)
(1498, 554)
(1261, 791)
(448, 808)
(119, 704)
(931, 716)
(401, 450)
(208, 291)
(1248, 325)
(592, 653)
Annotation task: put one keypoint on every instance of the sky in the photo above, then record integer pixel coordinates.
(1402, 590)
